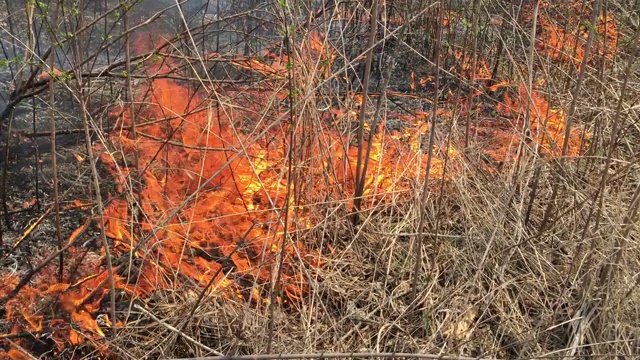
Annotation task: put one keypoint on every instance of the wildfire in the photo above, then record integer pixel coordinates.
(224, 191)
(65, 322)
(558, 44)
(465, 64)
(547, 127)
(214, 191)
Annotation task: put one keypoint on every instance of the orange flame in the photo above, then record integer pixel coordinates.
(547, 127)
(559, 45)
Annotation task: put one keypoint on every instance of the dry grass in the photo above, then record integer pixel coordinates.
(488, 289)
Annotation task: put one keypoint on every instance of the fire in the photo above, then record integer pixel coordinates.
(501, 135)
(565, 46)
(30, 203)
(465, 66)
(214, 183)
(44, 305)
(192, 146)
(240, 193)
(547, 124)
(47, 75)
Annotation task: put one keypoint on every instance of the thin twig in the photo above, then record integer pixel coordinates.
(276, 288)
(29, 230)
(569, 119)
(357, 197)
(425, 187)
(21, 349)
(54, 156)
(205, 290)
(171, 328)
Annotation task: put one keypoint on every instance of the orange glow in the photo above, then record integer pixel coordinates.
(231, 197)
(450, 16)
(502, 135)
(497, 86)
(46, 76)
(35, 321)
(322, 54)
(559, 45)
(239, 182)
(77, 204)
(547, 124)
(16, 354)
(86, 321)
(74, 337)
(30, 203)
(465, 67)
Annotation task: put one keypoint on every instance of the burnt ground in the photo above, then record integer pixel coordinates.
(28, 186)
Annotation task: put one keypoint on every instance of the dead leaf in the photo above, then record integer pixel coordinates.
(462, 328)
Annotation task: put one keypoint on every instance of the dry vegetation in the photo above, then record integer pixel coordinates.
(453, 179)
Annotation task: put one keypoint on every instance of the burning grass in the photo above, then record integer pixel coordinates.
(229, 194)
(210, 214)
(558, 39)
